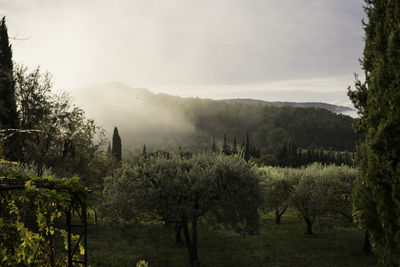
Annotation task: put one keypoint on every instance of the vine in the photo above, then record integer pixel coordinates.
(31, 225)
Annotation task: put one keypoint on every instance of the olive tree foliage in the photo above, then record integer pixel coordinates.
(277, 187)
(183, 190)
(68, 141)
(323, 191)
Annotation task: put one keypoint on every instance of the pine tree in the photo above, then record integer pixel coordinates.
(376, 199)
(8, 107)
(116, 145)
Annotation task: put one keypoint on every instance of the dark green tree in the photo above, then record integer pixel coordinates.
(376, 199)
(109, 149)
(116, 145)
(8, 107)
(214, 147)
(247, 147)
(234, 149)
(144, 151)
(225, 149)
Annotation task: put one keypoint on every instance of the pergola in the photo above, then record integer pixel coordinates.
(73, 255)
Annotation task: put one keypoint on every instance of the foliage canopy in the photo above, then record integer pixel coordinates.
(182, 190)
(29, 221)
(377, 191)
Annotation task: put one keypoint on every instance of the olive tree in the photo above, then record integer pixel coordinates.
(183, 190)
(277, 186)
(323, 191)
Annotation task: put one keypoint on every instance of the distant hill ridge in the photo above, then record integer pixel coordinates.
(123, 89)
(330, 107)
(162, 121)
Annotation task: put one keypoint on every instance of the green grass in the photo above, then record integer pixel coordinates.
(276, 245)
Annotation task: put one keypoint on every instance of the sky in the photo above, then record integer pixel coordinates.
(290, 50)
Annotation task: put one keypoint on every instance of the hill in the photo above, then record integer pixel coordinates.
(330, 107)
(166, 122)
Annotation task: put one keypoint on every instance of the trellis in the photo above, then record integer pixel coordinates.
(73, 257)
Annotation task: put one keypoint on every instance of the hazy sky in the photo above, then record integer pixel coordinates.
(207, 48)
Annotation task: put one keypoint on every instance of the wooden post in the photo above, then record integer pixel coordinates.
(69, 243)
(84, 214)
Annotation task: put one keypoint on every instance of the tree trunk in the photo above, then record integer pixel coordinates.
(190, 244)
(367, 243)
(178, 237)
(309, 226)
(194, 240)
(277, 217)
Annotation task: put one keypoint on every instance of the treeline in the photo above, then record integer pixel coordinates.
(287, 155)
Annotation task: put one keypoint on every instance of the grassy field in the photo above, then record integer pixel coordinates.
(276, 245)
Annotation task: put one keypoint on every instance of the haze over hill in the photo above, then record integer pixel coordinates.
(165, 122)
(134, 111)
(330, 107)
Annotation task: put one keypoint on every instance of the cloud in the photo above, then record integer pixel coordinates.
(187, 41)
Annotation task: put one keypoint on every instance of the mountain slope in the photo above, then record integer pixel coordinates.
(165, 122)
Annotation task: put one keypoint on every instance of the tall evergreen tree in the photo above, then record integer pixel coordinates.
(376, 199)
(214, 147)
(225, 148)
(109, 149)
(144, 151)
(8, 107)
(116, 145)
(247, 148)
(234, 149)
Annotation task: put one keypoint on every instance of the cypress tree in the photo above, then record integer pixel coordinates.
(180, 152)
(376, 198)
(109, 149)
(247, 148)
(234, 150)
(8, 107)
(144, 151)
(225, 148)
(213, 147)
(283, 155)
(116, 145)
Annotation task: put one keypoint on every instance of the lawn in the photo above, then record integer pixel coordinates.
(276, 245)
